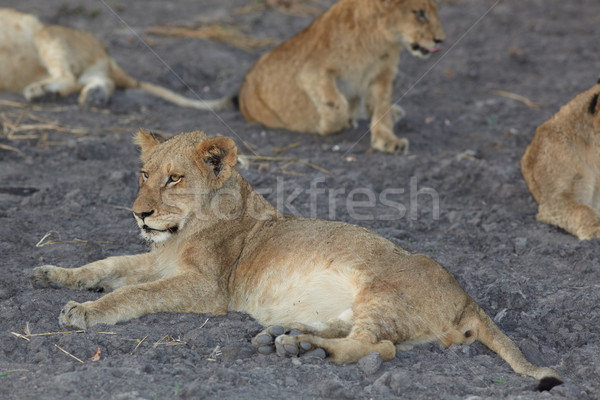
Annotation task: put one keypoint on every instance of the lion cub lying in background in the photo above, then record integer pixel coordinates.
(345, 62)
(562, 166)
(49, 61)
(218, 245)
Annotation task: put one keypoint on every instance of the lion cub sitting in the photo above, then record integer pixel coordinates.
(345, 62)
(562, 167)
(49, 61)
(218, 245)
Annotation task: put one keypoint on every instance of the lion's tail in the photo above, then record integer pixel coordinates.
(124, 80)
(488, 333)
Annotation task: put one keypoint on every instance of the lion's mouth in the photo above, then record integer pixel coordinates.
(424, 50)
(173, 229)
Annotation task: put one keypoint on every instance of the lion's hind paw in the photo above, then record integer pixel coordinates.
(285, 343)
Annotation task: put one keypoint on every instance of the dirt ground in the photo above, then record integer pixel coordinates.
(68, 175)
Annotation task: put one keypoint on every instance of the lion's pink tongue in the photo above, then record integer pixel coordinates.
(434, 49)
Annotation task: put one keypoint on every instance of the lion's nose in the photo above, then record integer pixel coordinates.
(144, 215)
(438, 41)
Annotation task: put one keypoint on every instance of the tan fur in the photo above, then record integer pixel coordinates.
(218, 246)
(562, 167)
(48, 61)
(343, 64)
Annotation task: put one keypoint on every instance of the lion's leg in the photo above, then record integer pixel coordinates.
(110, 273)
(349, 349)
(332, 107)
(264, 342)
(61, 80)
(382, 113)
(98, 87)
(187, 292)
(579, 219)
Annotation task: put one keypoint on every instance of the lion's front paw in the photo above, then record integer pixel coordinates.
(37, 92)
(389, 143)
(587, 232)
(74, 314)
(43, 276)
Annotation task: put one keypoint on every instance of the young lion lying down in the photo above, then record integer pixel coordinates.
(49, 61)
(218, 245)
(562, 166)
(341, 65)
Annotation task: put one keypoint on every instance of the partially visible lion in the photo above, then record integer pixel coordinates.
(343, 64)
(562, 166)
(219, 246)
(44, 62)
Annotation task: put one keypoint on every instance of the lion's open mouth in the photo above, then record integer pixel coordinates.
(423, 50)
(172, 229)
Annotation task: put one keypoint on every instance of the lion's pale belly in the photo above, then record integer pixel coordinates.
(307, 293)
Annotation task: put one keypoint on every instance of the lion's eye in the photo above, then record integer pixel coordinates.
(173, 179)
(420, 15)
(143, 175)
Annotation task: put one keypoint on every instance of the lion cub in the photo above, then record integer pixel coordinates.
(218, 245)
(343, 64)
(562, 167)
(49, 61)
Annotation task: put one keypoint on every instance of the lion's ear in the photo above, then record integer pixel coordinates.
(147, 141)
(217, 156)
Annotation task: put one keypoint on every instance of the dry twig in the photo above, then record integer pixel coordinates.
(75, 240)
(531, 104)
(297, 8)
(285, 159)
(169, 340)
(214, 354)
(67, 353)
(279, 150)
(10, 148)
(217, 33)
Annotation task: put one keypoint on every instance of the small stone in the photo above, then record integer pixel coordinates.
(520, 244)
(370, 363)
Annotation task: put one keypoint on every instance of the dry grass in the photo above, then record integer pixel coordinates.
(287, 160)
(298, 8)
(169, 340)
(217, 33)
(67, 353)
(531, 104)
(279, 150)
(43, 243)
(214, 354)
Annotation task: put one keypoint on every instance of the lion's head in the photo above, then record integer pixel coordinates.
(178, 178)
(415, 24)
